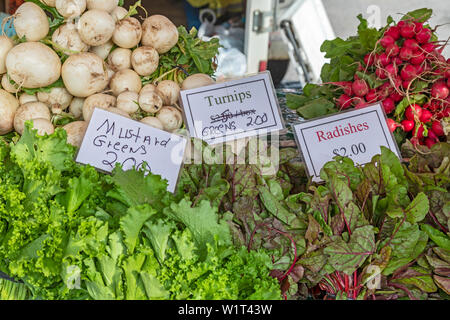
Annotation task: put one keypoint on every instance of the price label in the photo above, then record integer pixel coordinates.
(232, 110)
(111, 139)
(356, 134)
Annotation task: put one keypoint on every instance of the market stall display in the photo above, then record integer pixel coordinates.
(231, 230)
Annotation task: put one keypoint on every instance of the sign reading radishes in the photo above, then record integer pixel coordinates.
(111, 139)
(232, 110)
(357, 134)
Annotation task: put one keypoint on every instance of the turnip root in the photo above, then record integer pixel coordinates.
(145, 60)
(75, 132)
(25, 98)
(110, 73)
(33, 64)
(31, 22)
(125, 80)
(150, 100)
(169, 91)
(96, 27)
(70, 8)
(170, 117)
(84, 74)
(58, 99)
(29, 111)
(50, 3)
(8, 86)
(76, 107)
(99, 100)
(119, 112)
(128, 33)
(148, 87)
(5, 45)
(197, 80)
(106, 5)
(119, 13)
(128, 101)
(159, 33)
(102, 51)
(68, 39)
(8, 108)
(43, 126)
(119, 59)
(153, 122)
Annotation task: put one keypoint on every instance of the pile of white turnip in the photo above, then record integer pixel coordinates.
(100, 53)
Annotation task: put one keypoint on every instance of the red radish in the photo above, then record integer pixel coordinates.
(388, 105)
(391, 70)
(436, 127)
(347, 86)
(392, 50)
(386, 41)
(369, 59)
(407, 84)
(383, 91)
(447, 71)
(397, 60)
(418, 132)
(371, 96)
(413, 111)
(448, 82)
(408, 72)
(360, 88)
(394, 32)
(380, 73)
(410, 43)
(419, 68)
(405, 53)
(392, 125)
(423, 36)
(361, 104)
(439, 90)
(417, 58)
(430, 142)
(344, 101)
(407, 30)
(383, 59)
(397, 97)
(434, 105)
(418, 26)
(429, 47)
(407, 125)
(426, 116)
(432, 135)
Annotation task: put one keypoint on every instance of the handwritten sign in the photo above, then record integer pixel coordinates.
(111, 138)
(232, 110)
(357, 134)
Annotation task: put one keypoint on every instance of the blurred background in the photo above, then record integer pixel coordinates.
(283, 36)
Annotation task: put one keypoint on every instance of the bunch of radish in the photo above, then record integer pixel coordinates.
(413, 82)
(96, 58)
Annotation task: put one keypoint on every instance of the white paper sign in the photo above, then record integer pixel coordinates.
(232, 110)
(111, 138)
(357, 134)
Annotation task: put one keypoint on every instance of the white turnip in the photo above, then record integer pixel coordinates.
(68, 40)
(58, 99)
(170, 117)
(70, 8)
(153, 122)
(43, 126)
(5, 45)
(196, 81)
(8, 108)
(76, 107)
(31, 22)
(148, 87)
(106, 5)
(160, 33)
(75, 132)
(29, 111)
(96, 27)
(169, 91)
(150, 101)
(119, 59)
(33, 65)
(119, 13)
(8, 86)
(84, 74)
(145, 60)
(119, 112)
(128, 101)
(25, 98)
(124, 80)
(127, 33)
(99, 100)
(103, 50)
